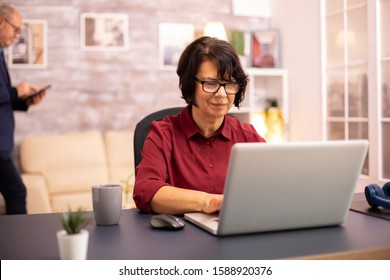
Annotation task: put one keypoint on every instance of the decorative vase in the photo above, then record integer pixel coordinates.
(73, 246)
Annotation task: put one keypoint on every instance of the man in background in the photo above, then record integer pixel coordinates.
(11, 98)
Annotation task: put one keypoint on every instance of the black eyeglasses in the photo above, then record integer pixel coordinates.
(17, 30)
(213, 87)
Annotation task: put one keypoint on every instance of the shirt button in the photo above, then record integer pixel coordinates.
(211, 165)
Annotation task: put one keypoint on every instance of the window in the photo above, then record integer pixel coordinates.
(385, 86)
(356, 78)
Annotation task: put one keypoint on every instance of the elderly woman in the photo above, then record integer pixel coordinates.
(185, 156)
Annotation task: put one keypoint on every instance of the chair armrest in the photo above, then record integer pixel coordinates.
(38, 200)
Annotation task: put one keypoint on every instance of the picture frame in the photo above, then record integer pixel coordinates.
(30, 49)
(171, 47)
(104, 32)
(265, 51)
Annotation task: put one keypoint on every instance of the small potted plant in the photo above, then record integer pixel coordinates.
(73, 238)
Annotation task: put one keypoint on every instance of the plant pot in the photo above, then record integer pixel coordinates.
(73, 246)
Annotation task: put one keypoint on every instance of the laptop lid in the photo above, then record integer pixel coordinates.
(283, 186)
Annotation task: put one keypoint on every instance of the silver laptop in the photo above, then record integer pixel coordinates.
(284, 186)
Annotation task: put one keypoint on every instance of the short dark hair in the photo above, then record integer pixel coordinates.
(215, 50)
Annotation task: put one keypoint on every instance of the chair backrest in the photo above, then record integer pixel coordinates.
(142, 129)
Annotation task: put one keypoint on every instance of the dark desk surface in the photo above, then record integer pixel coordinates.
(34, 237)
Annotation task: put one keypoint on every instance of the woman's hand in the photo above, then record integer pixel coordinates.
(212, 203)
(177, 201)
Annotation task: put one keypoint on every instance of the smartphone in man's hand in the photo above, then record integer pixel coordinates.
(30, 98)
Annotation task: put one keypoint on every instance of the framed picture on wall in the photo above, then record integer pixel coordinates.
(104, 32)
(265, 51)
(30, 49)
(173, 39)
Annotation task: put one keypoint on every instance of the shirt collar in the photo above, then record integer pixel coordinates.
(190, 128)
(226, 129)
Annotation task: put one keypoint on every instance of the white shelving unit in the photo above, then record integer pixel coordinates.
(264, 83)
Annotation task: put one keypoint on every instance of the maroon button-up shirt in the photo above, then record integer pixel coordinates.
(176, 154)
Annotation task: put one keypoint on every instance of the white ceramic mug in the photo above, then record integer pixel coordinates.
(107, 204)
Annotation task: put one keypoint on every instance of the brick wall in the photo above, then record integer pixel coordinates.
(109, 90)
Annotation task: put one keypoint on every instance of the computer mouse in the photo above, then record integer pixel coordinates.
(166, 222)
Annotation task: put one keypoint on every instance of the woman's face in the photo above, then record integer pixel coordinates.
(211, 104)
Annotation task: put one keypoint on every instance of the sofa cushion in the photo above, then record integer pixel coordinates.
(62, 203)
(70, 162)
(120, 154)
(38, 200)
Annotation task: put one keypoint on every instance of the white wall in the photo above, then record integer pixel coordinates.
(299, 25)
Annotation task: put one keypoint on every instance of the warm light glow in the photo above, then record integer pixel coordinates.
(351, 38)
(270, 125)
(215, 29)
(259, 123)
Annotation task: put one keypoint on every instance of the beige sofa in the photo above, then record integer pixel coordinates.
(59, 169)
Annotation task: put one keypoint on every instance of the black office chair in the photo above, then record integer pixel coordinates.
(142, 129)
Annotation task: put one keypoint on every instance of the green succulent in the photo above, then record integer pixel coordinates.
(74, 222)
